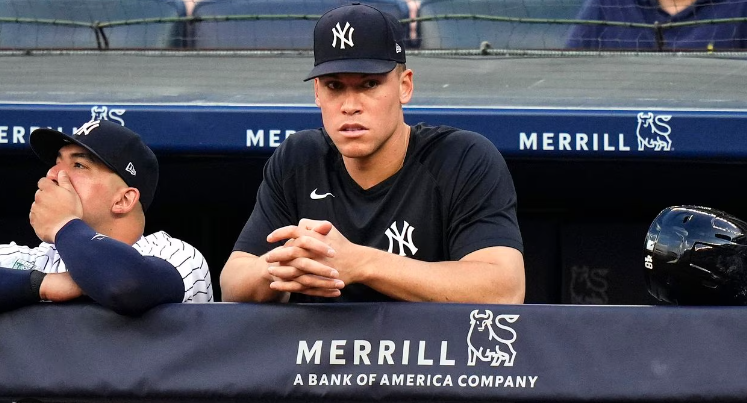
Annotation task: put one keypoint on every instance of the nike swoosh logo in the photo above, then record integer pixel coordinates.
(314, 195)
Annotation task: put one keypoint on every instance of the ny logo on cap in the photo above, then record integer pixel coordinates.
(87, 128)
(340, 33)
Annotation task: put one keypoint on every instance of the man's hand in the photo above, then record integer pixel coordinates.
(59, 287)
(305, 263)
(55, 204)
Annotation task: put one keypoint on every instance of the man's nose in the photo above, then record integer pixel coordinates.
(351, 104)
(52, 172)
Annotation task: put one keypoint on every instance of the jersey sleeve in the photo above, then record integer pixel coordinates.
(271, 208)
(481, 199)
(187, 260)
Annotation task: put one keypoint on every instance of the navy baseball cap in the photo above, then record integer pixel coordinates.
(357, 38)
(118, 147)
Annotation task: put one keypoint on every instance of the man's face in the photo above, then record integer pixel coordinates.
(361, 112)
(96, 184)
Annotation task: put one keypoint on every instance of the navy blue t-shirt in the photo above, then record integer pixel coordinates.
(454, 195)
(695, 37)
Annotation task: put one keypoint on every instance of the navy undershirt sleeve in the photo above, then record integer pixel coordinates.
(15, 289)
(114, 274)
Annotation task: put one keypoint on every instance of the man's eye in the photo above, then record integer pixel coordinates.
(371, 84)
(78, 165)
(334, 85)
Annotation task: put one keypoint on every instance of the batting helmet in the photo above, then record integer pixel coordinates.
(696, 255)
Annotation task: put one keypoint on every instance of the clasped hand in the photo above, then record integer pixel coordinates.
(308, 261)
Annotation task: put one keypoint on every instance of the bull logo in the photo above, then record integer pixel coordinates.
(653, 132)
(589, 286)
(104, 113)
(99, 113)
(484, 343)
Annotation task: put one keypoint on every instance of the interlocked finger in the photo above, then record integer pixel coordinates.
(310, 281)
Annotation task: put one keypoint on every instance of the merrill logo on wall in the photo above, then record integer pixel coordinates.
(485, 344)
(652, 134)
(488, 337)
(104, 113)
(589, 286)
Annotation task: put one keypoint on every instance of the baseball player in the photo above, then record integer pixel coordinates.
(368, 208)
(89, 213)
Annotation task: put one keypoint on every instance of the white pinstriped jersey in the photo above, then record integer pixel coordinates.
(187, 259)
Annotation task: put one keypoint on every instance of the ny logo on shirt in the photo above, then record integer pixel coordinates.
(394, 234)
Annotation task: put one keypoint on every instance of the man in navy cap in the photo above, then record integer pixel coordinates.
(368, 208)
(89, 212)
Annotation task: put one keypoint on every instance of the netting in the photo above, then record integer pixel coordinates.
(429, 25)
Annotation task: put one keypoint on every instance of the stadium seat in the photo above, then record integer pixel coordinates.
(268, 34)
(471, 33)
(74, 20)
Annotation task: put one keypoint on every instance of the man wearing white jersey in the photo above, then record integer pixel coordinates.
(89, 213)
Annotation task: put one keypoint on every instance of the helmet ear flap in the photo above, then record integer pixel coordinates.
(696, 255)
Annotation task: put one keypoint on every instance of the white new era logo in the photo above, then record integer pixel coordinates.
(397, 48)
(340, 33)
(131, 169)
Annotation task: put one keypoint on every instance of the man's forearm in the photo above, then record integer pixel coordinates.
(245, 278)
(467, 281)
(114, 274)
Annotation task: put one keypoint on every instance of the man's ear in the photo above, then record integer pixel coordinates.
(405, 86)
(127, 199)
(316, 92)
